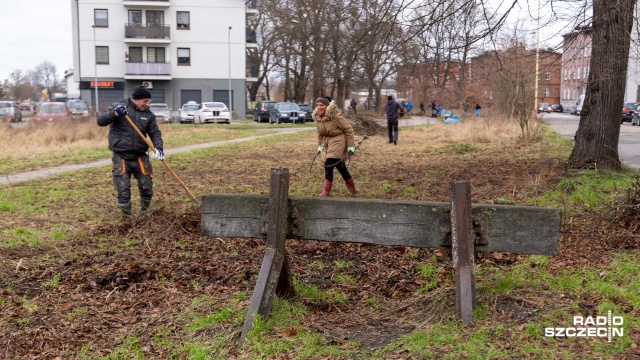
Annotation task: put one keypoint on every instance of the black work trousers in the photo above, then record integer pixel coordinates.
(392, 127)
(140, 168)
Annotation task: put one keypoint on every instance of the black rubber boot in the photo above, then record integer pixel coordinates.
(144, 204)
(126, 209)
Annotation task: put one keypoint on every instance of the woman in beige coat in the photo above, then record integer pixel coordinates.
(335, 136)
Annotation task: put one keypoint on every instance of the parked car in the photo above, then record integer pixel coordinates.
(286, 112)
(9, 111)
(544, 107)
(25, 106)
(261, 112)
(50, 111)
(635, 120)
(79, 109)
(557, 107)
(628, 110)
(188, 111)
(308, 112)
(161, 111)
(212, 112)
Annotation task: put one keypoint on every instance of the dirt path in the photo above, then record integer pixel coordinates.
(56, 170)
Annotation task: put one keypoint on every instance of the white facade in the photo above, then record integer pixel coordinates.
(72, 86)
(631, 90)
(142, 39)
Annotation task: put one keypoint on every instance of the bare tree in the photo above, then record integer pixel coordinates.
(46, 77)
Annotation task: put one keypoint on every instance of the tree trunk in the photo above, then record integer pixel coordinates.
(598, 132)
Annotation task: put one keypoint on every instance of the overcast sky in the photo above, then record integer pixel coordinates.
(34, 31)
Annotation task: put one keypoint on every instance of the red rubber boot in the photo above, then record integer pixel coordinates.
(351, 186)
(326, 188)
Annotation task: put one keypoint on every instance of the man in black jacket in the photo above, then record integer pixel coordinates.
(129, 149)
(393, 110)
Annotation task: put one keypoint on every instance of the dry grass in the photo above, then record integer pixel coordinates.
(42, 144)
(484, 130)
(41, 139)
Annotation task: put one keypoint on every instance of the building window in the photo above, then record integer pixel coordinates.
(579, 72)
(547, 75)
(101, 17)
(155, 18)
(135, 54)
(155, 55)
(102, 55)
(184, 56)
(135, 17)
(547, 92)
(586, 72)
(183, 20)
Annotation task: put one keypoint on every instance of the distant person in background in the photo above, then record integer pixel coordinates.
(335, 137)
(421, 108)
(465, 107)
(434, 109)
(409, 107)
(439, 110)
(354, 104)
(478, 107)
(393, 110)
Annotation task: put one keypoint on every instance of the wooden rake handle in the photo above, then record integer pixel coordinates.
(133, 125)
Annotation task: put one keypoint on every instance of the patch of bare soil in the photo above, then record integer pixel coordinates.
(137, 278)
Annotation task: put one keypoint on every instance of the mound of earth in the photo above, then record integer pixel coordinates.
(367, 125)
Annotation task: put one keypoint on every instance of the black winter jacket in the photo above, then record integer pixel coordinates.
(123, 139)
(391, 108)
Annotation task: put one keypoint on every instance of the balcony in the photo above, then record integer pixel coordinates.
(147, 33)
(147, 3)
(251, 8)
(147, 71)
(252, 73)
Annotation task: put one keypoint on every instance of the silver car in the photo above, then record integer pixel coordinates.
(9, 111)
(188, 111)
(161, 111)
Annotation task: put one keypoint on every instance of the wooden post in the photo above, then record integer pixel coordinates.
(462, 249)
(272, 272)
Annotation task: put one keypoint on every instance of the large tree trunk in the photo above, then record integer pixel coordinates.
(599, 128)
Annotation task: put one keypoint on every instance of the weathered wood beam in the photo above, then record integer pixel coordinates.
(272, 272)
(462, 250)
(503, 228)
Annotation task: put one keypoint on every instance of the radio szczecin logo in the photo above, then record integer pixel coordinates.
(589, 326)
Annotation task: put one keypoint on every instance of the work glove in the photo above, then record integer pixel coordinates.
(351, 149)
(121, 110)
(159, 154)
(319, 148)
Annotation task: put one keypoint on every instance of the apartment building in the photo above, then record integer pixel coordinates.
(576, 56)
(182, 50)
(549, 77)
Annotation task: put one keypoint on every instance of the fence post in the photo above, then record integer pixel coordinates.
(272, 272)
(462, 249)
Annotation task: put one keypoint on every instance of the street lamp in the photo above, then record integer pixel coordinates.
(230, 100)
(95, 70)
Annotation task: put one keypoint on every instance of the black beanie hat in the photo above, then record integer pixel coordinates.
(389, 97)
(140, 92)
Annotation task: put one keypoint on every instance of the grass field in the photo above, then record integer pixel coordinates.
(79, 282)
